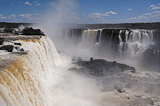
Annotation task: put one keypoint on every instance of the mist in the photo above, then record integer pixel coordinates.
(59, 16)
(69, 87)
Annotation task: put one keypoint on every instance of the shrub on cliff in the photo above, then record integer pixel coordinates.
(31, 31)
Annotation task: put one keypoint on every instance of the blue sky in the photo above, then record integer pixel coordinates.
(84, 11)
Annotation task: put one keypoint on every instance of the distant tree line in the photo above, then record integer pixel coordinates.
(149, 25)
(13, 25)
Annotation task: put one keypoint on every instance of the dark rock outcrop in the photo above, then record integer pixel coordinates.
(19, 49)
(17, 43)
(99, 67)
(31, 31)
(1, 41)
(9, 48)
(119, 89)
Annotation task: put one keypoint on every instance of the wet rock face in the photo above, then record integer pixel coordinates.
(9, 48)
(19, 49)
(17, 44)
(1, 41)
(151, 58)
(100, 67)
(123, 36)
(157, 39)
(106, 36)
(111, 40)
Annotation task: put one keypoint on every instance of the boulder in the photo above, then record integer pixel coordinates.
(9, 48)
(119, 89)
(17, 43)
(19, 49)
(1, 41)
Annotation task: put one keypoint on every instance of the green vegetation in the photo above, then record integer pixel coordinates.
(31, 31)
(13, 25)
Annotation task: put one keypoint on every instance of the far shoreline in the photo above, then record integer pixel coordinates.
(140, 25)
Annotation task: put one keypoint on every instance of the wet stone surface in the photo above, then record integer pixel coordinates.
(101, 67)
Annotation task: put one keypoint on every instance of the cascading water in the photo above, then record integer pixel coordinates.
(88, 38)
(23, 82)
(130, 44)
(137, 41)
(122, 43)
(100, 34)
(127, 44)
(110, 42)
(42, 77)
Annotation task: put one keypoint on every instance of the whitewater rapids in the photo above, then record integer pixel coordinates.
(41, 78)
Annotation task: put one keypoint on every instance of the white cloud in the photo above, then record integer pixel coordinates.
(27, 3)
(153, 7)
(21, 17)
(38, 4)
(106, 14)
(37, 14)
(147, 14)
(155, 18)
(111, 12)
(95, 17)
(2, 17)
(156, 12)
(12, 3)
(20, 2)
(159, 4)
(96, 14)
(13, 15)
(28, 16)
(129, 9)
(132, 19)
(150, 18)
(142, 17)
(98, 17)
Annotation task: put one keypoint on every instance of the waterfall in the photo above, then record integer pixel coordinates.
(137, 41)
(88, 39)
(23, 82)
(110, 42)
(118, 43)
(123, 43)
(100, 36)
